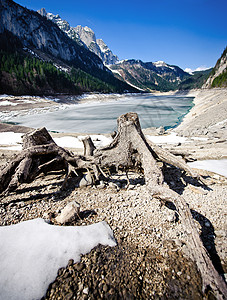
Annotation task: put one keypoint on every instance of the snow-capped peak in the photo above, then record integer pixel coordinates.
(85, 36)
(86, 28)
(160, 63)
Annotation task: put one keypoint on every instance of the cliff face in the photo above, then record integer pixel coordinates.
(84, 36)
(36, 31)
(218, 77)
(31, 35)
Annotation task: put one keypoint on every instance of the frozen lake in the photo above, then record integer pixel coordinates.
(101, 116)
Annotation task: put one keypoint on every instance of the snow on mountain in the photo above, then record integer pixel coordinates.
(201, 68)
(150, 75)
(85, 36)
(160, 63)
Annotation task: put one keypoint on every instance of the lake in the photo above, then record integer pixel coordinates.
(101, 116)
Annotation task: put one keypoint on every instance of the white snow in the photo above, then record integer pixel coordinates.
(31, 253)
(171, 138)
(98, 140)
(14, 141)
(213, 165)
(201, 68)
(68, 141)
(76, 142)
(197, 138)
(160, 63)
(10, 138)
(7, 102)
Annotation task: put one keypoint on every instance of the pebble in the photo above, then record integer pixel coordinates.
(133, 214)
(85, 291)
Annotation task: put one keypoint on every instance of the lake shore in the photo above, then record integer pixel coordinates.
(204, 126)
(151, 259)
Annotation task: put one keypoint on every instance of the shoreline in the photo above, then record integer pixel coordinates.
(146, 231)
(209, 129)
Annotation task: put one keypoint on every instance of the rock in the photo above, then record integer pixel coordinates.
(85, 291)
(160, 130)
(71, 210)
(85, 181)
(131, 187)
(207, 224)
(101, 185)
(113, 186)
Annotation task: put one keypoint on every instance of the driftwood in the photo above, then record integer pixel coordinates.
(129, 149)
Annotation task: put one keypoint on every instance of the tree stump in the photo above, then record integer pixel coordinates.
(129, 149)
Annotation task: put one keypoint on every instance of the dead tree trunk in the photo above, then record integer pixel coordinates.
(89, 147)
(129, 149)
(40, 155)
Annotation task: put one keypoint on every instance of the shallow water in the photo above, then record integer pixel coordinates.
(100, 117)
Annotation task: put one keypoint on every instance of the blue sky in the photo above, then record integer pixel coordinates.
(187, 33)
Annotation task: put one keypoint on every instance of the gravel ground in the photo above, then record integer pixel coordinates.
(151, 259)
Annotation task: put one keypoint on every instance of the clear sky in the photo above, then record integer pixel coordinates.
(187, 33)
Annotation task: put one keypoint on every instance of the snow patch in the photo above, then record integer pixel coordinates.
(171, 138)
(212, 165)
(201, 68)
(7, 102)
(10, 138)
(100, 140)
(31, 253)
(68, 141)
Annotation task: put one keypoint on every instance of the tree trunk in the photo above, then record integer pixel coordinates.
(129, 149)
(89, 147)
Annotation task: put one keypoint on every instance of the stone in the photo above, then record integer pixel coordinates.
(85, 291)
(160, 130)
(85, 181)
(101, 185)
(113, 186)
(70, 211)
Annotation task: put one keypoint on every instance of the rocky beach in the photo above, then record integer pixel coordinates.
(151, 259)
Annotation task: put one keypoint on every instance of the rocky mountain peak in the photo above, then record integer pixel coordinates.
(160, 63)
(42, 12)
(85, 36)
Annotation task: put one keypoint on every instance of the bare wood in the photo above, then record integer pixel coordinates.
(89, 146)
(129, 149)
(38, 137)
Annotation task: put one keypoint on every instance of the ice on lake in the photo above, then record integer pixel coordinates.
(101, 117)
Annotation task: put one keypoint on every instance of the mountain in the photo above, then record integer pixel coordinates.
(196, 80)
(25, 34)
(218, 77)
(84, 36)
(149, 76)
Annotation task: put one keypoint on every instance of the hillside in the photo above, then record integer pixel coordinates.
(149, 76)
(195, 81)
(33, 36)
(218, 77)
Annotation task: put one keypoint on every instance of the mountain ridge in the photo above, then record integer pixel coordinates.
(49, 43)
(85, 36)
(149, 76)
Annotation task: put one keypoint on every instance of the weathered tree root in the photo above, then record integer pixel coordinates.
(129, 149)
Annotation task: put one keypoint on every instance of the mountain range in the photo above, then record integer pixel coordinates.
(42, 54)
(25, 33)
(85, 36)
(145, 76)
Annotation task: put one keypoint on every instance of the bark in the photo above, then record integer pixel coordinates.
(89, 147)
(128, 150)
